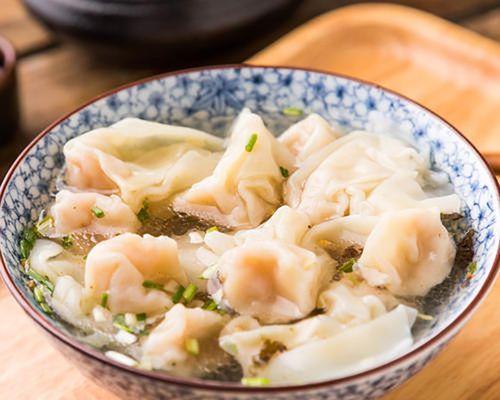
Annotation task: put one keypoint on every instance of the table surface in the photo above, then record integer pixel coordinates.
(56, 77)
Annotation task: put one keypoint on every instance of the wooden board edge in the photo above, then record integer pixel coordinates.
(424, 26)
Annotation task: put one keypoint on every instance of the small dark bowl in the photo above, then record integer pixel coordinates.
(158, 29)
(9, 107)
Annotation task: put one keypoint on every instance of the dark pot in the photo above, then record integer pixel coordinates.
(159, 29)
(9, 105)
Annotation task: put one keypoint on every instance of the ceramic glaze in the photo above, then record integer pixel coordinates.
(209, 99)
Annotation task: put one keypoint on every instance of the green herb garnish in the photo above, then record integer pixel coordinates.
(212, 229)
(177, 296)
(46, 309)
(119, 322)
(471, 269)
(27, 242)
(190, 292)
(38, 292)
(210, 305)
(104, 300)
(141, 317)
(347, 266)
(192, 347)
(143, 213)
(98, 212)
(255, 381)
(293, 112)
(284, 172)
(251, 142)
(67, 242)
(40, 279)
(153, 285)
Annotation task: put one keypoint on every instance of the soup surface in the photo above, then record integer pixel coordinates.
(270, 260)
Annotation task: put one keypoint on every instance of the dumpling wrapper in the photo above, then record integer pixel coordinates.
(349, 306)
(349, 352)
(343, 173)
(165, 346)
(270, 280)
(140, 160)
(68, 300)
(339, 232)
(246, 186)
(50, 259)
(244, 338)
(72, 213)
(408, 252)
(402, 191)
(120, 265)
(307, 136)
(287, 225)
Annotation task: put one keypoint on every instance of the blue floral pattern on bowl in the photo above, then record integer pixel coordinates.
(209, 99)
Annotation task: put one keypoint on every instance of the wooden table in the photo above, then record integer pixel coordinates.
(56, 77)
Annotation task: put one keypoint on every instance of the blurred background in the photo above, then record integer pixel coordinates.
(71, 50)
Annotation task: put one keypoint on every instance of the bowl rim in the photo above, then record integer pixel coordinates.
(196, 383)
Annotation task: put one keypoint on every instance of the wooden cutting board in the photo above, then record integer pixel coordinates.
(447, 68)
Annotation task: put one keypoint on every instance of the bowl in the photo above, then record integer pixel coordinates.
(209, 98)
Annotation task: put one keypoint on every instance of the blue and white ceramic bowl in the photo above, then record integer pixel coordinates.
(208, 99)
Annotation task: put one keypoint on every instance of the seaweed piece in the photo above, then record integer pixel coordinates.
(465, 250)
(230, 372)
(268, 351)
(451, 217)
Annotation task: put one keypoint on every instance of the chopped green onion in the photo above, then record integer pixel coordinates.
(36, 276)
(119, 322)
(293, 112)
(67, 241)
(284, 172)
(104, 300)
(44, 225)
(178, 294)
(153, 285)
(98, 212)
(210, 306)
(190, 292)
(192, 347)
(30, 234)
(40, 279)
(141, 317)
(347, 266)
(143, 213)
(25, 248)
(472, 268)
(251, 142)
(255, 381)
(45, 307)
(212, 229)
(38, 292)
(27, 242)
